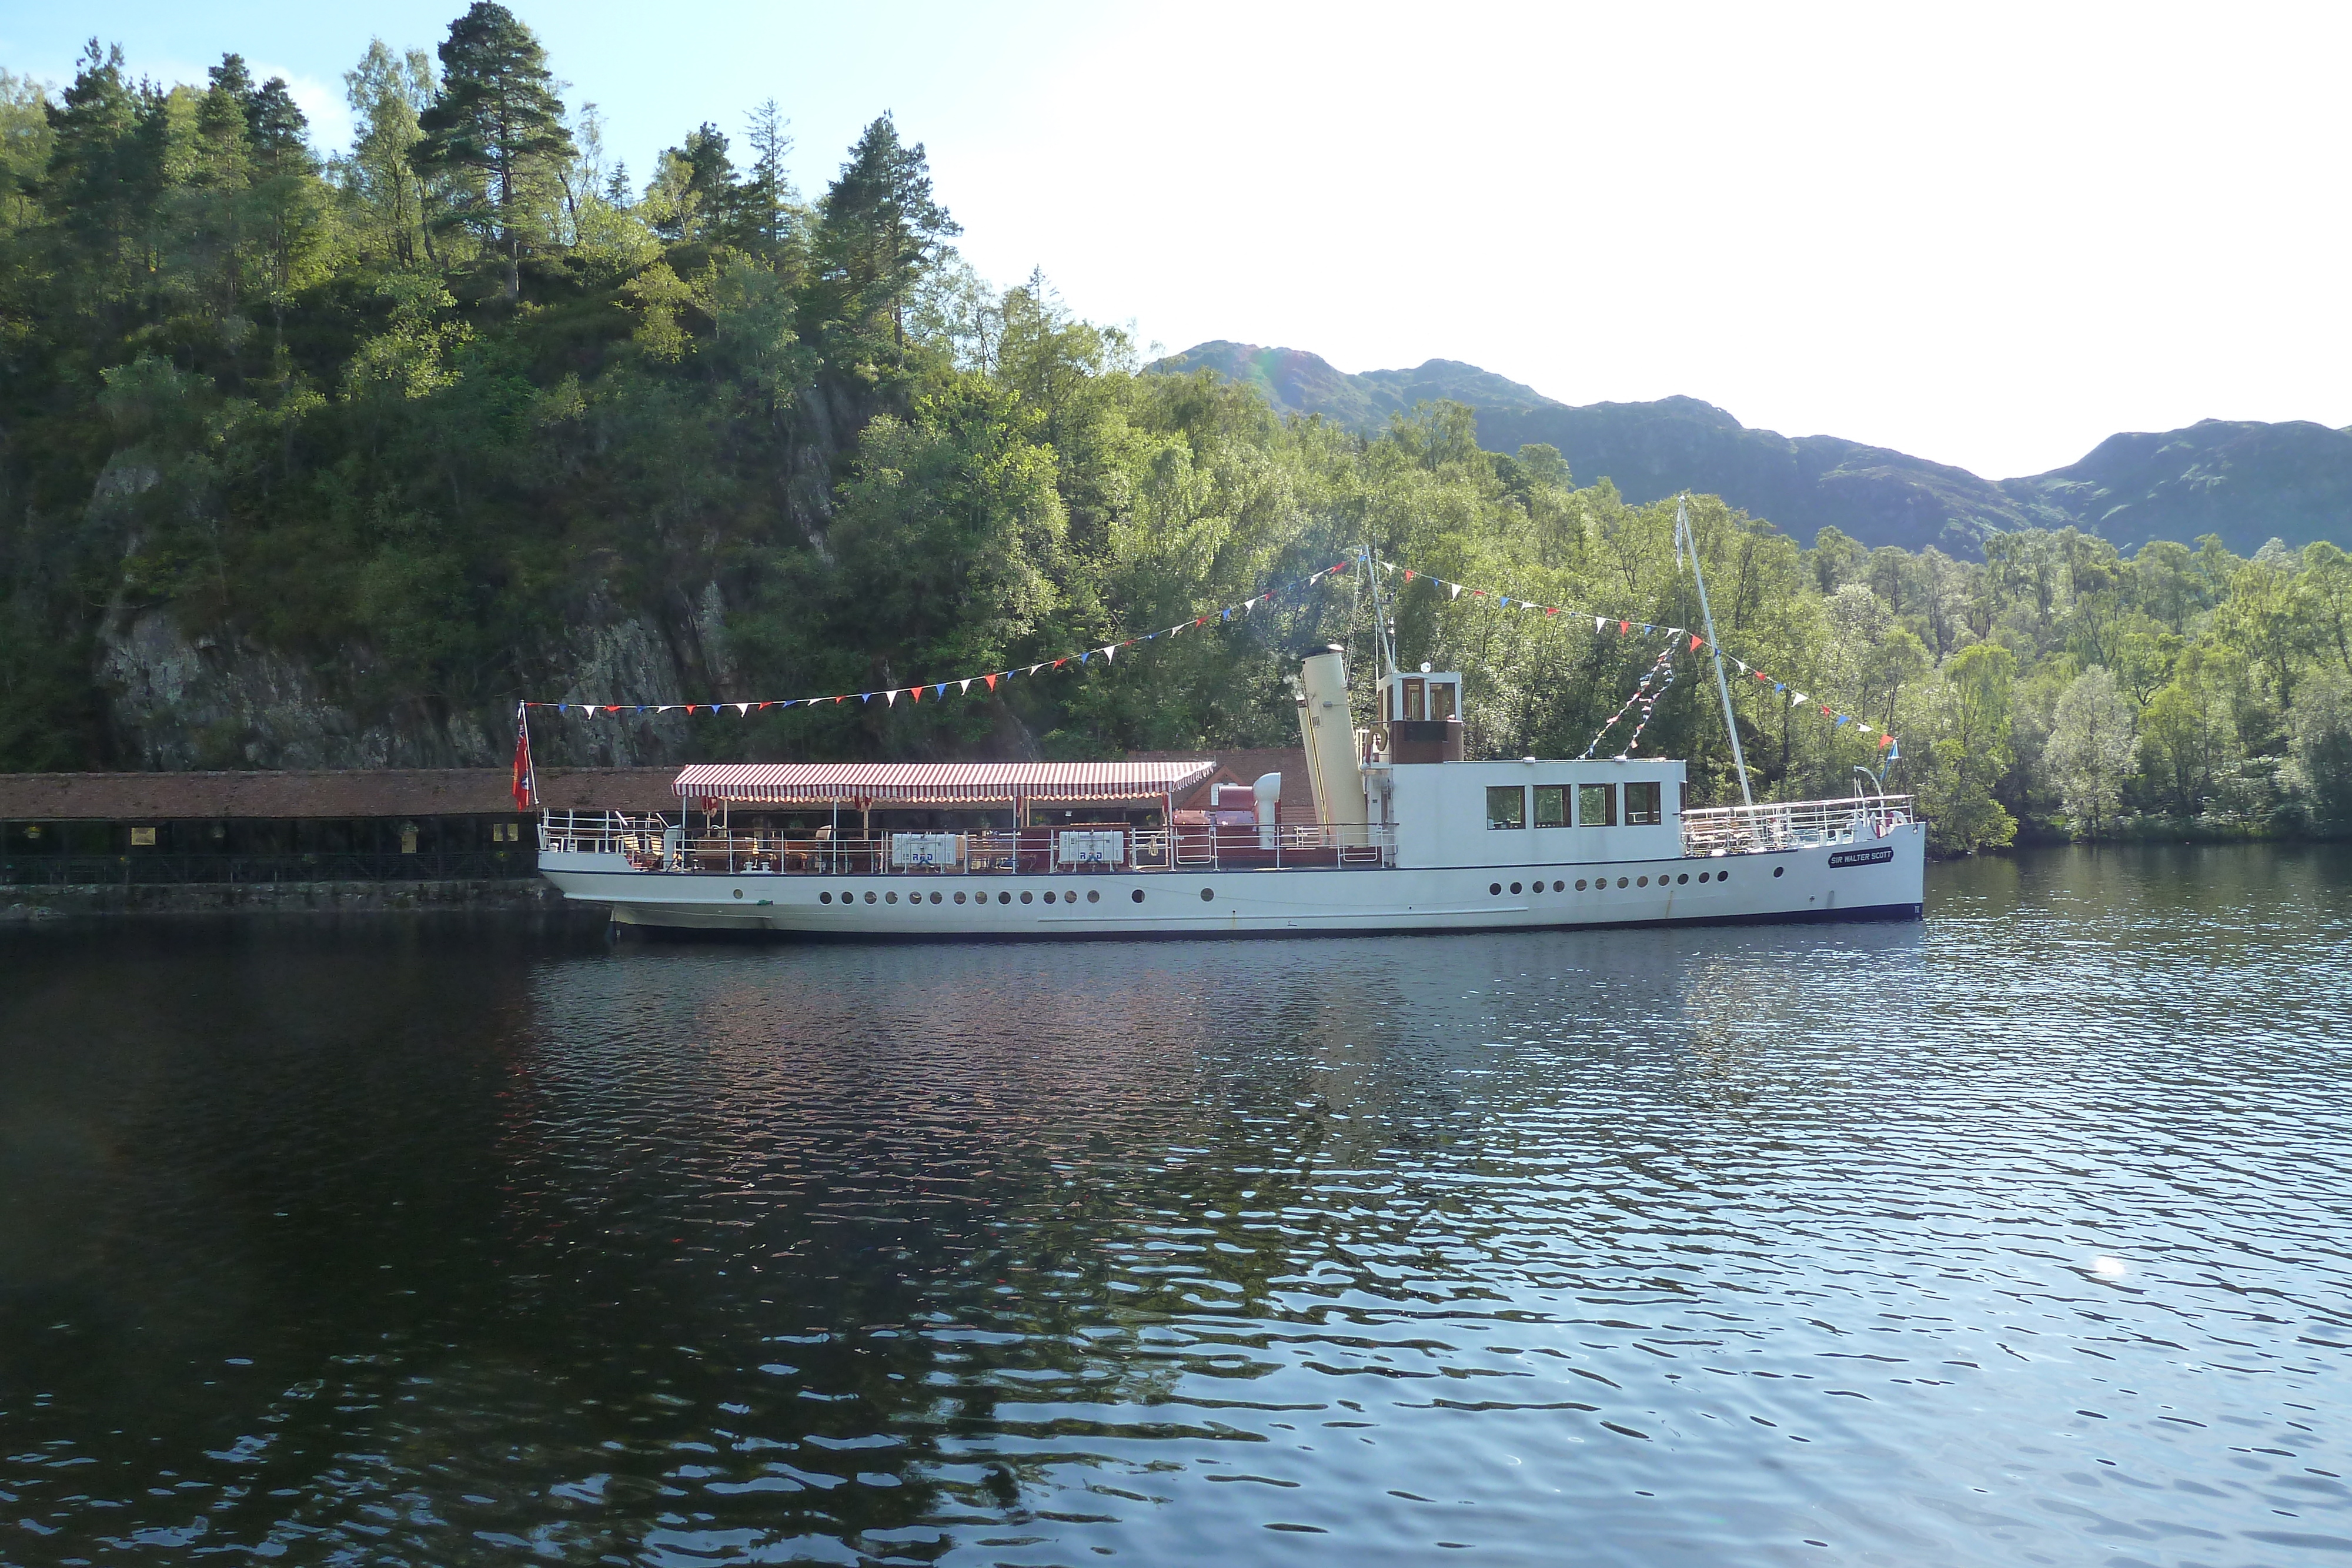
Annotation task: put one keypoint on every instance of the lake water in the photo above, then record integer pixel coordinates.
(2023, 1235)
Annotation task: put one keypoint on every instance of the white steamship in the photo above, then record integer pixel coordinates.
(1405, 836)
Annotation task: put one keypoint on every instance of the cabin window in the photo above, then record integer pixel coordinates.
(1642, 809)
(1551, 805)
(1441, 700)
(1596, 805)
(1506, 807)
(1416, 699)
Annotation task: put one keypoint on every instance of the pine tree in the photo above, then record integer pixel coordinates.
(881, 228)
(767, 198)
(496, 129)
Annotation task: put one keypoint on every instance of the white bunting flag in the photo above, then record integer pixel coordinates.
(1796, 699)
(890, 697)
(1456, 592)
(1110, 652)
(1599, 621)
(963, 687)
(741, 709)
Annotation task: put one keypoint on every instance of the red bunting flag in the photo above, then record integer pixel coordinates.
(992, 682)
(915, 693)
(1408, 574)
(1694, 647)
(1624, 628)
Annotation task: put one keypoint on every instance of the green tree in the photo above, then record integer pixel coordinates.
(2090, 749)
(496, 133)
(2321, 725)
(2188, 741)
(1971, 751)
(389, 94)
(880, 228)
(2325, 591)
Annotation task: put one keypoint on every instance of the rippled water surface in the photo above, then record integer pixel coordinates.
(2023, 1235)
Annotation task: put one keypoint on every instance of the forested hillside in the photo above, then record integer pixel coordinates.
(2241, 480)
(328, 463)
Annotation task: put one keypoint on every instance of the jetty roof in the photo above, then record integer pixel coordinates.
(297, 793)
(939, 783)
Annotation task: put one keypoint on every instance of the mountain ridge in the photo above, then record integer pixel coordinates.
(2248, 481)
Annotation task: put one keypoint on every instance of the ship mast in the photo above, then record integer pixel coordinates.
(1685, 540)
(1383, 641)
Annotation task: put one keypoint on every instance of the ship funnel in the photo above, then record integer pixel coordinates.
(1327, 730)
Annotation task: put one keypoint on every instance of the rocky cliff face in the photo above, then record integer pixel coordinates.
(2247, 482)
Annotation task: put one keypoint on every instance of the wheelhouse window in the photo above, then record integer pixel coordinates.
(1551, 805)
(1642, 806)
(1441, 700)
(1416, 699)
(1506, 807)
(1596, 805)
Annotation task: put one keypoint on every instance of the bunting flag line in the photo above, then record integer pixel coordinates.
(963, 684)
(1645, 696)
(1653, 684)
(1626, 627)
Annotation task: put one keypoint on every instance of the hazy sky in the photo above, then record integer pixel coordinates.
(1987, 237)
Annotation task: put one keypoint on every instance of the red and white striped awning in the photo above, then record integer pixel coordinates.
(937, 783)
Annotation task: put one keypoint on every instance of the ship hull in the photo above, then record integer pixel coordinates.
(1882, 878)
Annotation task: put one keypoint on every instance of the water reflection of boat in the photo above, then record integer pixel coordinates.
(1407, 836)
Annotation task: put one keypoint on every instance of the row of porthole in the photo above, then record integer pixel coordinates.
(1094, 895)
(1600, 883)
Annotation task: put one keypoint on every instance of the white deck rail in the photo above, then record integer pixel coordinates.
(654, 843)
(1792, 824)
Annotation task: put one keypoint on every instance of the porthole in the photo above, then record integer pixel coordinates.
(739, 892)
(1495, 888)
(825, 898)
(1559, 887)
(1778, 870)
(1207, 893)
(935, 898)
(887, 897)
(1026, 895)
(1620, 882)
(1641, 882)
(1069, 895)
(1094, 895)
(1136, 895)
(1723, 876)
(1580, 885)
(1702, 876)
(959, 898)
(1683, 878)
(1514, 888)
(1049, 895)
(1003, 898)
(869, 898)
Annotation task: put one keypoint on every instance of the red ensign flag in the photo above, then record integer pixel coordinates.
(523, 797)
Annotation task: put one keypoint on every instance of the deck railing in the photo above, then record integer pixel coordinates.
(655, 844)
(1794, 824)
